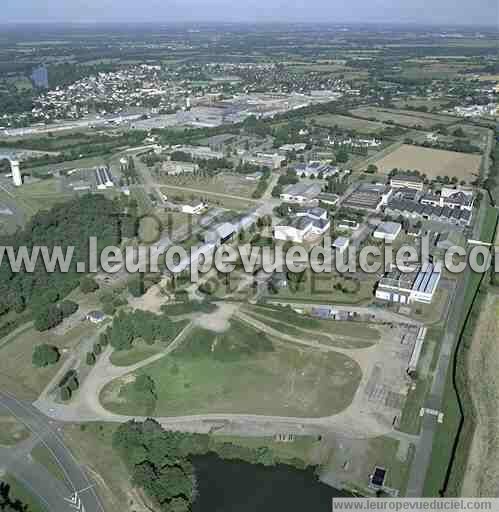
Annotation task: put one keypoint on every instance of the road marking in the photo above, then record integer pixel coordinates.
(75, 502)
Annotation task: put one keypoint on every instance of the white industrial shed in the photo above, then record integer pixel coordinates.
(388, 231)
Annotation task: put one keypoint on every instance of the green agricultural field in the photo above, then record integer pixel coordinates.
(243, 371)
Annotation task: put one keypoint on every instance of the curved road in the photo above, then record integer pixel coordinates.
(53, 491)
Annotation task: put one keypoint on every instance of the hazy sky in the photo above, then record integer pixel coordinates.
(451, 12)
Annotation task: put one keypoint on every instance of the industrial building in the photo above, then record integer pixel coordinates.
(16, 173)
(368, 196)
(407, 181)
(341, 244)
(270, 160)
(104, 178)
(201, 152)
(301, 193)
(347, 225)
(220, 234)
(174, 168)
(415, 210)
(306, 223)
(193, 207)
(418, 285)
(40, 77)
(316, 170)
(388, 231)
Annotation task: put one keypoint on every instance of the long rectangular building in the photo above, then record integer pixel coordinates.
(419, 285)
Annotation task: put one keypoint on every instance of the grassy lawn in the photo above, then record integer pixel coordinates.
(137, 353)
(302, 448)
(383, 452)
(355, 330)
(488, 226)
(44, 457)
(319, 289)
(242, 371)
(295, 324)
(18, 491)
(11, 430)
(214, 198)
(350, 123)
(17, 373)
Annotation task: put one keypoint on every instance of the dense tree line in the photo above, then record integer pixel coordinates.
(66, 225)
(139, 324)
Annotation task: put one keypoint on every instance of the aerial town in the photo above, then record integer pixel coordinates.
(182, 386)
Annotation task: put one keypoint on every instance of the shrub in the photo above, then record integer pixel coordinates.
(45, 355)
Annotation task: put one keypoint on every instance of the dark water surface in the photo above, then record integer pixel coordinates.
(236, 486)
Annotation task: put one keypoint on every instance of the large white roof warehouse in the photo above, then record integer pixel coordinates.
(419, 285)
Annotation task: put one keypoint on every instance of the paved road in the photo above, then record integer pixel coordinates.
(422, 456)
(76, 478)
(50, 491)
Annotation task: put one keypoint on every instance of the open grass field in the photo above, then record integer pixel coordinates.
(17, 373)
(417, 102)
(319, 289)
(287, 321)
(226, 183)
(225, 200)
(349, 123)
(303, 448)
(45, 458)
(482, 469)
(432, 162)
(11, 430)
(243, 371)
(405, 118)
(31, 198)
(355, 460)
